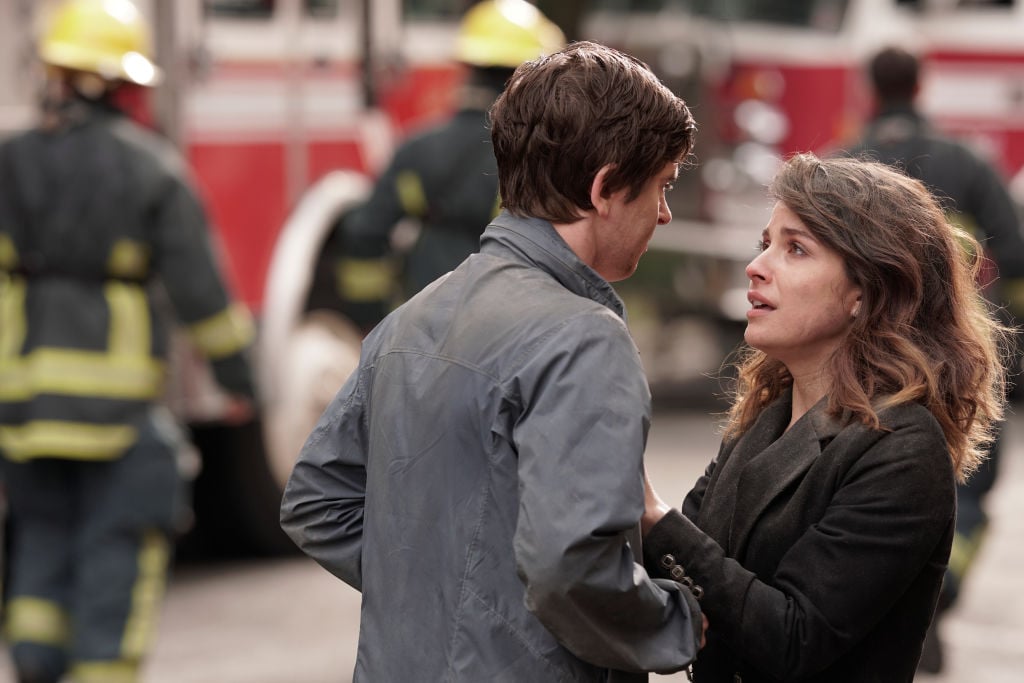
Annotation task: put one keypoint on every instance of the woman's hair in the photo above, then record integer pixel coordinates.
(565, 116)
(923, 333)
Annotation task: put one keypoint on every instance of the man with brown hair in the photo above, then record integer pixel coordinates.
(479, 478)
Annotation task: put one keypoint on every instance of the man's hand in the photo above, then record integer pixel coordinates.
(654, 507)
(238, 410)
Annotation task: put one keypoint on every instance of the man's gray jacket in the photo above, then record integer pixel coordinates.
(479, 478)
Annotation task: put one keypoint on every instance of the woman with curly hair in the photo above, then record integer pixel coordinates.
(874, 372)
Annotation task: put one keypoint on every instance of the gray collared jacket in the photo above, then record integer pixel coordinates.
(479, 480)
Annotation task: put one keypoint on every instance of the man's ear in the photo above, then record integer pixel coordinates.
(598, 197)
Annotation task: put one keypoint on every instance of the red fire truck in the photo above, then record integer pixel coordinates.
(286, 108)
(296, 103)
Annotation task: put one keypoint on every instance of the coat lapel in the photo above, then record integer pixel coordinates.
(768, 473)
(719, 504)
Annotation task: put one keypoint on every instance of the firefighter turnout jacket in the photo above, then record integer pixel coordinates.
(969, 188)
(93, 215)
(446, 179)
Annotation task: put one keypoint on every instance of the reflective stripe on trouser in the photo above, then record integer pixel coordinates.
(971, 521)
(36, 620)
(105, 672)
(90, 540)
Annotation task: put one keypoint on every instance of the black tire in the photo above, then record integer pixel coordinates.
(236, 501)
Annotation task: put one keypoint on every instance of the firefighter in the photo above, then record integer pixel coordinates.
(445, 177)
(95, 212)
(975, 197)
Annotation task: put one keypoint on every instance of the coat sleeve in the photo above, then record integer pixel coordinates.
(323, 503)
(189, 269)
(580, 443)
(881, 528)
(366, 229)
(991, 206)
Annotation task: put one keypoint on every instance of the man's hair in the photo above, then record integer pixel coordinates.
(923, 332)
(565, 116)
(895, 74)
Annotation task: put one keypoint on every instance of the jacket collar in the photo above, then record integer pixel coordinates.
(75, 111)
(536, 242)
(761, 464)
(897, 122)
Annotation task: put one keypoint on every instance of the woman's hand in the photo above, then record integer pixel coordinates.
(654, 507)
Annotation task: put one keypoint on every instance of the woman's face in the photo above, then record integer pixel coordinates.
(802, 302)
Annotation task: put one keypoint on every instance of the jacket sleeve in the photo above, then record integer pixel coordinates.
(993, 209)
(366, 229)
(365, 271)
(883, 524)
(189, 270)
(580, 443)
(322, 507)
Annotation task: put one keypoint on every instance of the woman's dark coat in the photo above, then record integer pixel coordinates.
(820, 549)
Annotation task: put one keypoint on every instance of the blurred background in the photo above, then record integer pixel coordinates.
(286, 110)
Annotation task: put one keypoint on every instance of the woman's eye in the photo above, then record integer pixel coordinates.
(761, 245)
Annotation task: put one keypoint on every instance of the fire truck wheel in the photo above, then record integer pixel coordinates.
(235, 498)
(318, 356)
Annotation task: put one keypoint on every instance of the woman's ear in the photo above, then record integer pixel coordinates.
(598, 197)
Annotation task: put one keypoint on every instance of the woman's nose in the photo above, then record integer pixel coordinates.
(756, 268)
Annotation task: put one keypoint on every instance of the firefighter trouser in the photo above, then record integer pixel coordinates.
(89, 552)
(971, 523)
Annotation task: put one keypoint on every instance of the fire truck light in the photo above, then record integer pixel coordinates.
(762, 122)
(758, 162)
(719, 174)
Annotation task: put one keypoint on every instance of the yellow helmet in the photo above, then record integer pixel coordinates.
(109, 38)
(506, 33)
